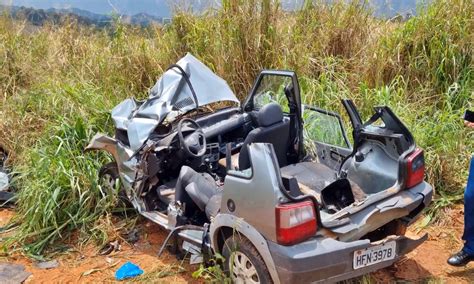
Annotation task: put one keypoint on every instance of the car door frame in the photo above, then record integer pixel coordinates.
(336, 153)
(294, 105)
(248, 104)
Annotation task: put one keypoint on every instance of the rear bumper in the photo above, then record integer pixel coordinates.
(328, 260)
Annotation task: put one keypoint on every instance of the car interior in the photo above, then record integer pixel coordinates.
(227, 134)
(270, 127)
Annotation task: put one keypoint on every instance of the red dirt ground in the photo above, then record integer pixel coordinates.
(89, 267)
(427, 262)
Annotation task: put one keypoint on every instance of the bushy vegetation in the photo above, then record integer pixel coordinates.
(58, 84)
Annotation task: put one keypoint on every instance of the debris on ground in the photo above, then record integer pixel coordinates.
(97, 269)
(4, 179)
(132, 236)
(3, 157)
(13, 273)
(47, 264)
(110, 247)
(5, 195)
(128, 270)
(4, 182)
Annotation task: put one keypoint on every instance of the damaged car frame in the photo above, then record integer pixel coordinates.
(274, 186)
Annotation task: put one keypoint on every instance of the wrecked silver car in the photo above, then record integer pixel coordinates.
(274, 186)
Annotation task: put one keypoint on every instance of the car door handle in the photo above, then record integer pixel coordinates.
(336, 155)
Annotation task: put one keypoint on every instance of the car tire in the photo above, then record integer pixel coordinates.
(247, 264)
(108, 176)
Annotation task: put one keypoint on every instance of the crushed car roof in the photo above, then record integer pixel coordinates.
(208, 87)
(174, 93)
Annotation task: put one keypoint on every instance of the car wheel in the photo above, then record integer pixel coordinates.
(243, 263)
(108, 179)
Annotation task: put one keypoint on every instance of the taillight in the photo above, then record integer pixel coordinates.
(415, 168)
(295, 222)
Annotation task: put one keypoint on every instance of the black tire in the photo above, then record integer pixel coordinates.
(234, 248)
(109, 172)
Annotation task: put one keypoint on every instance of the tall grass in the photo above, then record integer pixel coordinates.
(60, 187)
(58, 83)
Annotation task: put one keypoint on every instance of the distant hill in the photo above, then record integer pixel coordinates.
(99, 18)
(391, 8)
(380, 8)
(142, 19)
(157, 8)
(39, 17)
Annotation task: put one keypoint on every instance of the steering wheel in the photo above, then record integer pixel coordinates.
(194, 144)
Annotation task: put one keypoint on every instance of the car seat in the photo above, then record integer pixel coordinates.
(272, 128)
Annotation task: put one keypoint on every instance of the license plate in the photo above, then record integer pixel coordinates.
(375, 254)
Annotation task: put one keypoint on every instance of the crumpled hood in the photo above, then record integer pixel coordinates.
(170, 97)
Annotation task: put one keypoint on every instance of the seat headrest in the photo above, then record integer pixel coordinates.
(270, 114)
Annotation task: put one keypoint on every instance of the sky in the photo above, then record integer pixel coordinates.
(163, 8)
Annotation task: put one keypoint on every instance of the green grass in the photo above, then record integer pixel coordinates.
(61, 191)
(58, 84)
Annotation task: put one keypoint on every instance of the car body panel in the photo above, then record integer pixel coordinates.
(123, 156)
(325, 260)
(322, 258)
(240, 226)
(378, 214)
(263, 187)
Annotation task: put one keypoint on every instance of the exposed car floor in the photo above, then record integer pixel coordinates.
(316, 177)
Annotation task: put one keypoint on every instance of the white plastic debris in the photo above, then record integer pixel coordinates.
(4, 181)
(47, 264)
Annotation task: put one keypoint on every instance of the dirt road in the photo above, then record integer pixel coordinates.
(426, 263)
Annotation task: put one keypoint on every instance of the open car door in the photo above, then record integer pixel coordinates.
(281, 87)
(325, 136)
